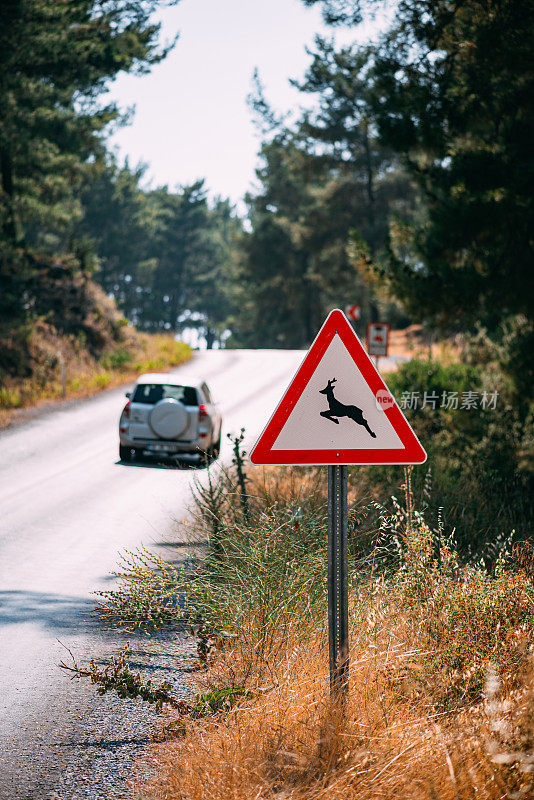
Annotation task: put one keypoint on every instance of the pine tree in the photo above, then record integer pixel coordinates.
(326, 182)
(118, 223)
(450, 90)
(295, 262)
(55, 60)
(212, 292)
(181, 245)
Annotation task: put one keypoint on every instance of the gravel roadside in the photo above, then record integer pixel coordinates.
(89, 747)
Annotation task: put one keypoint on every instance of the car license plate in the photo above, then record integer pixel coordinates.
(161, 448)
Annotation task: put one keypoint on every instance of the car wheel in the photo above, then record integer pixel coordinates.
(125, 453)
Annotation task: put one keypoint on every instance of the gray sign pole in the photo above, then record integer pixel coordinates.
(338, 591)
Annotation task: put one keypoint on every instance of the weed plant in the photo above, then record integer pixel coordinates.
(464, 616)
(481, 459)
(263, 580)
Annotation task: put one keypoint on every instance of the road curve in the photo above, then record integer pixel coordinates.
(67, 507)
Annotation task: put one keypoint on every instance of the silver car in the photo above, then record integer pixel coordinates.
(166, 416)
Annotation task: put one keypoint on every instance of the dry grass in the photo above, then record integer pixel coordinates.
(415, 343)
(85, 375)
(441, 684)
(391, 742)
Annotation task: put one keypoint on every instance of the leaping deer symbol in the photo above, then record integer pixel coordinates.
(337, 409)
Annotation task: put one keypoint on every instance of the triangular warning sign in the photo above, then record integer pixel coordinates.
(337, 409)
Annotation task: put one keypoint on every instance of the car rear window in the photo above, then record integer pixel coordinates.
(152, 393)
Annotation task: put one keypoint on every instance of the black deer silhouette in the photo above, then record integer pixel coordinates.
(337, 409)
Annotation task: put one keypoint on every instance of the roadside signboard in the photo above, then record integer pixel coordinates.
(377, 338)
(338, 411)
(353, 313)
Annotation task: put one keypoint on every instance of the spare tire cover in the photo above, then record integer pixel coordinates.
(168, 418)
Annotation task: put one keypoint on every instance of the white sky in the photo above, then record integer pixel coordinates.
(191, 119)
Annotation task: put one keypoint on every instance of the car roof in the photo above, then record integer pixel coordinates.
(170, 380)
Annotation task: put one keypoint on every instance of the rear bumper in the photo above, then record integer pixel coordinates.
(160, 445)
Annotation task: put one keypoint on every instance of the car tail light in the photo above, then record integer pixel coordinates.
(202, 413)
(126, 410)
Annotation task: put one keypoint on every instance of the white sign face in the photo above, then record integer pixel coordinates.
(377, 339)
(343, 414)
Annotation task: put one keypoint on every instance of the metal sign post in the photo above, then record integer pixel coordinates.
(338, 590)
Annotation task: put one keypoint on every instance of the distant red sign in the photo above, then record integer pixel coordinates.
(353, 312)
(377, 338)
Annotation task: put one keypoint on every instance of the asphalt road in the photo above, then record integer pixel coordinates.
(68, 506)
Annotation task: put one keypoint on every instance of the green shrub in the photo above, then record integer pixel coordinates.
(102, 380)
(475, 455)
(264, 574)
(9, 398)
(469, 617)
(257, 575)
(117, 360)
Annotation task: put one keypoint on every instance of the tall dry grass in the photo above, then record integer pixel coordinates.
(391, 741)
(441, 682)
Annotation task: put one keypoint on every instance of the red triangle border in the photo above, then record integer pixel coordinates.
(262, 453)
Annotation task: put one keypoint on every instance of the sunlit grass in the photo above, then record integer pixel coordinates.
(390, 742)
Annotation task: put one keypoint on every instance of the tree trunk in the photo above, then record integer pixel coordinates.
(173, 311)
(370, 175)
(8, 190)
(210, 338)
(309, 301)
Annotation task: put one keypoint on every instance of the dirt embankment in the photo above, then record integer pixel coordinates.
(76, 344)
(63, 369)
(415, 342)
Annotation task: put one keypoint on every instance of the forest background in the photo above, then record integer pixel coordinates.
(406, 186)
